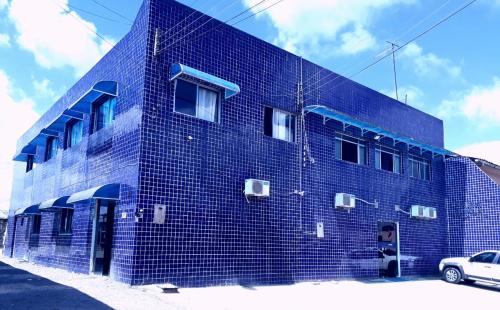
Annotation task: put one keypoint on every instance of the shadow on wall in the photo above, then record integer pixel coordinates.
(23, 290)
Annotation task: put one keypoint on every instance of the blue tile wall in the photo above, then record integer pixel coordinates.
(473, 206)
(108, 156)
(212, 234)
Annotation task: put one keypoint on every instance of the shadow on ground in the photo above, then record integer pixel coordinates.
(20, 289)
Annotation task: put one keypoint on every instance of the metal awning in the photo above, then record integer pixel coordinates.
(31, 210)
(177, 70)
(59, 124)
(347, 120)
(38, 140)
(102, 88)
(60, 203)
(108, 191)
(75, 111)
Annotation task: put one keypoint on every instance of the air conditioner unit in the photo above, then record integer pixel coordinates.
(346, 201)
(430, 213)
(417, 211)
(257, 188)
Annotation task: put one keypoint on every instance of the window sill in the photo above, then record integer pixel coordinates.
(351, 163)
(277, 139)
(195, 117)
(419, 179)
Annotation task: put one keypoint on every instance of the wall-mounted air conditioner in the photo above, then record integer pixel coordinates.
(345, 201)
(430, 213)
(423, 212)
(417, 211)
(257, 188)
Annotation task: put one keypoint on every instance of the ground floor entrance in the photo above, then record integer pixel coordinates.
(388, 249)
(102, 237)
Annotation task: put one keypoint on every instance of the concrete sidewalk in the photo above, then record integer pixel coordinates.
(58, 289)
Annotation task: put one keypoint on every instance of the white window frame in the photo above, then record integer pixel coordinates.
(396, 156)
(294, 134)
(361, 144)
(198, 85)
(419, 161)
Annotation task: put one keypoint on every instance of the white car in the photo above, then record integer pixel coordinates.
(484, 266)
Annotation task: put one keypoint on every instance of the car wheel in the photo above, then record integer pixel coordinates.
(452, 275)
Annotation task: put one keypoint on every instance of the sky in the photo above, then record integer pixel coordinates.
(451, 72)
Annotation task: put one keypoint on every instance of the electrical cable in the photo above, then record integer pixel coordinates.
(83, 23)
(113, 11)
(97, 15)
(397, 49)
(213, 28)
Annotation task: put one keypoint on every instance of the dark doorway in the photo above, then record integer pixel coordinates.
(103, 236)
(388, 249)
(13, 243)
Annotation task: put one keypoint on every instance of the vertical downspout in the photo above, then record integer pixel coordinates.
(300, 107)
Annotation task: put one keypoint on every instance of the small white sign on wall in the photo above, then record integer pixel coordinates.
(159, 215)
(320, 230)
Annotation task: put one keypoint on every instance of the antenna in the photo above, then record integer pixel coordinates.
(393, 45)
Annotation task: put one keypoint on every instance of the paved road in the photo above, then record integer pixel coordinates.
(20, 289)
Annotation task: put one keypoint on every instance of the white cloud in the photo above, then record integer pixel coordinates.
(4, 40)
(412, 94)
(303, 25)
(429, 64)
(357, 41)
(44, 90)
(3, 4)
(57, 39)
(480, 104)
(16, 117)
(485, 150)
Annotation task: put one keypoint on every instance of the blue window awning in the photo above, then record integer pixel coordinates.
(177, 70)
(60, 203)
(59, 124)
(108, 191)
(329, 113)
(102, 88)
(31, 210)
(75, 111)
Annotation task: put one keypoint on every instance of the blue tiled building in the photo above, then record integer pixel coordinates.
(196, 154)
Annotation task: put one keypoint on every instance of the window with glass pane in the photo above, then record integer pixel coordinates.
(350, 149)
(279, 124)
(74, 133)
(196, 101)
(388, 160)
(66, 222)
(37, 220)
(419, 168)
(104, 113)
(30, 162)
(51, 148)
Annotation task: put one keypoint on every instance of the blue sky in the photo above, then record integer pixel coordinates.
(453, 72)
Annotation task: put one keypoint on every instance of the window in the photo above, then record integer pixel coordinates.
(65, 226)
(279, 124)
(103, 114)
(388, 159)
(419, 168)
(350, 149)
(197, 101)
(51, 148)
(74, 133)
(485, 258)
(29, 162)
(37, 221)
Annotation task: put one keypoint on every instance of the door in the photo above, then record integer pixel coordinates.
(388, 249)
(13, 242)
(481, 265)
(496, 269)
(103, 237)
